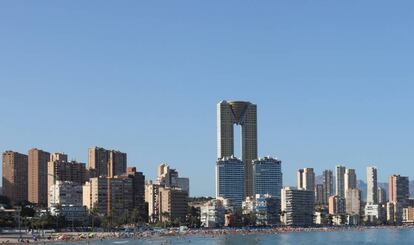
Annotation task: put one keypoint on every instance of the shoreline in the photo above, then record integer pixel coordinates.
(84, 237)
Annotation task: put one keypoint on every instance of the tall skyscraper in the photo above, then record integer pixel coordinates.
(241, 113)
(372, 187)
(103, 162)
(37, 176)
(327, 181)
(340, 181)
(398, 188)
(350, 179)
(15, 176)
(267, 177)
(230, 179)
(297, 206)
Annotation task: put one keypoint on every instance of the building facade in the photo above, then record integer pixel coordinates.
(350, 179)
(59, 169)
(353, 201)
(337, 205)
(267, 176)
(328, 188)
(65, 193)
(372, 185)
(340, 180)
(15, 176)
(230, 177)
(398, 188)
(297, 207)
(37, 176)
(103, 162)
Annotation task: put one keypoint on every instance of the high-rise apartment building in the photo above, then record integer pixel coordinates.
(37, 176)
(58, 168)
(319, 194)
(230, 179)
(267, 177)
(138, 191)
(297, 206)
(103, 162)
(152, 199)
(110, 196)
(173, 204)
(15, 176)
(244, 114)
(350, 179)
(340, 180)
(65, 193)
(372, 186)
(398, 189)
(328, 188)
(353, 201)
(337, 205)
(306, 179)
(382, 195)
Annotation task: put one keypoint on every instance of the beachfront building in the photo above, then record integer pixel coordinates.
(65, 193)
(373, 213)
(60, 169)
(267, 176)
(337, 205)
(353, 201)
(173, 204)
(212, 214)
(110, 196)
(408, 215)
(230, 180)
(264, 208)
(394, 213)
(152, 200)
(297, 207)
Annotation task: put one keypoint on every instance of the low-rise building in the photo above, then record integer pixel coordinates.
(373, 213)
(212, 214)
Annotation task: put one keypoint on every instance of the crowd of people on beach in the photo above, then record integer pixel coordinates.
(175, 232)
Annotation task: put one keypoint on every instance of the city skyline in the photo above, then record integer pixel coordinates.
(145, 80)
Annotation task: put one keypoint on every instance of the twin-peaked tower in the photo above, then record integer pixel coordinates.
(241, 113)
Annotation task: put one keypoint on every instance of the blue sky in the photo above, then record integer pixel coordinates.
(333, 81)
